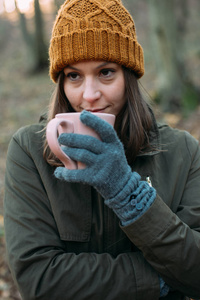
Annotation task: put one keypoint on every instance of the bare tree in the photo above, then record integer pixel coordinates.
(41, 52)
(175, 90)
(35, 41)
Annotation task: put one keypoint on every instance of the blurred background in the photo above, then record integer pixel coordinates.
(169, 32)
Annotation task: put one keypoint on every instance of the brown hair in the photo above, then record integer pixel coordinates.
(134, 124)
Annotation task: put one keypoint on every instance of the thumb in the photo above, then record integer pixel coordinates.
(65, 174)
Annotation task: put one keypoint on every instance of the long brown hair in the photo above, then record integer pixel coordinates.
(134, 124)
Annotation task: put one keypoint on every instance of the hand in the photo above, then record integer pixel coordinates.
(106, 166)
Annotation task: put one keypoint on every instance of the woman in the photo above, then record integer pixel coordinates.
(127, 226)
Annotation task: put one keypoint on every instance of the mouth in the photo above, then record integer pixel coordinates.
(97, 110)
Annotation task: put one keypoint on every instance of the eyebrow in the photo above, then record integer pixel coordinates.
(103, 65)
(98, 67)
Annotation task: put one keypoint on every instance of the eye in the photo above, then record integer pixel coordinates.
(73, 76)
(107, 73)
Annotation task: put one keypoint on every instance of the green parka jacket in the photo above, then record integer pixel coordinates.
(64, 243)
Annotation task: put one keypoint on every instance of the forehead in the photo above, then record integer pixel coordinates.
(85, 65)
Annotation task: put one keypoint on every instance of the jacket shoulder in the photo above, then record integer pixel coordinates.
(29, 137)
(176, 138)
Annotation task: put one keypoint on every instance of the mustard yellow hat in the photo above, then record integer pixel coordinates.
(94, 30)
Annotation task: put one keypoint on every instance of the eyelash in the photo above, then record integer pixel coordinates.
(107, 70)
(71, 74)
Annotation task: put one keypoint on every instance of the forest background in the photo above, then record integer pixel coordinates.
(169, 32)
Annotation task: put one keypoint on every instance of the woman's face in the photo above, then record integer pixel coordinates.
(96, 86)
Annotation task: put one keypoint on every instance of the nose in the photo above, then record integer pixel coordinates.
(91, 91)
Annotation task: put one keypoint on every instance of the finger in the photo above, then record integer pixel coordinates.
(82, 155)
(103, 128)
(70, 175)
(81, 142)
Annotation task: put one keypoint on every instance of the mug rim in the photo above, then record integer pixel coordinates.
(78, 113)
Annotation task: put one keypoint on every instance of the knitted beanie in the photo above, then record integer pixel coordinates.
(94, 30)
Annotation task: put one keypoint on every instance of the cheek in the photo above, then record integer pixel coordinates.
(71, 95)
(119, 92)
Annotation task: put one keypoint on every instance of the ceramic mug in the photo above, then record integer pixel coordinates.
(70, 123)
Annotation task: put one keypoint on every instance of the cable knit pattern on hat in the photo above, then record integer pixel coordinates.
(94, 30)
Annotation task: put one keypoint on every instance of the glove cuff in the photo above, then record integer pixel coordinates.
(122, 198)
(164, 289)
(136, 197)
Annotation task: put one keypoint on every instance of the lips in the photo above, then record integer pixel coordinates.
(97, 110)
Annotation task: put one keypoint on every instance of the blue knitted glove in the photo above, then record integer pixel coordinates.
(164, 289)
(107, 169)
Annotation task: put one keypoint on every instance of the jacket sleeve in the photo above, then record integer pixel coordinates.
(41, 267)
(170, 241)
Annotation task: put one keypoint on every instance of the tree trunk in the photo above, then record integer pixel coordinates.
(28, 38)
(167, 31)
(40, 46)
(35, 42)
